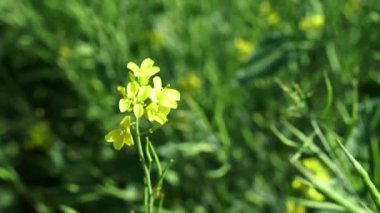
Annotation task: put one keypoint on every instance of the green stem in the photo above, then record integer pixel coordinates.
(375, 194)
(148, 203)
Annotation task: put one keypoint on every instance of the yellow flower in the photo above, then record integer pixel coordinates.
(315, 166)
(312, 22)
(157, 113)
(164, 96)
(64, 52)
(144, 72)
(297, 184)
(163, 99)
(314, 194)
(243, 47)
(134, 98)
(273, 18)
(38, 136)
(122, 136)
(190, 82)
(293, 207)
(142, 99)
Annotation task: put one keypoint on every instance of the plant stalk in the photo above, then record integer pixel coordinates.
(148, 203)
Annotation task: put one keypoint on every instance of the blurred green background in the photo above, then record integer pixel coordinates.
(243, 69)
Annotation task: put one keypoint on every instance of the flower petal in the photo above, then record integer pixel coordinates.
(157, 83)
(113, 135)
(138, 110)
(132, 89)
(153, 95)
(160, 118)
(146, 64)
(163, 110)
(128, 139)
(124, 105)
(118, 144)
(126, 122)
(134, 68)
(169, 103)
(152, 71)
(172, 94)
(143, 93)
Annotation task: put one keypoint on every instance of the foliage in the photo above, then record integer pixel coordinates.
(265, 87)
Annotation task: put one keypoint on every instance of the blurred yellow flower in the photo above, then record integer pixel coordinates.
(272, 16)
(297, 183)
(190, 82)
(243, 47)
(317, 169)
(313, 194)
(312, 22)
(64, 52)
(38, 136)
(156, 39)
(293, 207)
(134, 98)
(315, 166)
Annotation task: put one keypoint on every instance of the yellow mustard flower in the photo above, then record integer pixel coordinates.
(243, 48)
(134, 99)
(190, 82)
(312, 22)
(293, 207)
(163, 99)
(142, 99)
(273, 18)
(145, 71)
(297, 184)
(314, 194)
(315, 166)
(64, 52)
(121, 136)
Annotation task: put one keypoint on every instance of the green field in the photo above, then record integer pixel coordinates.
(279, 106)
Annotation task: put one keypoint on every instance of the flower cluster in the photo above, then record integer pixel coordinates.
(141, 98)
